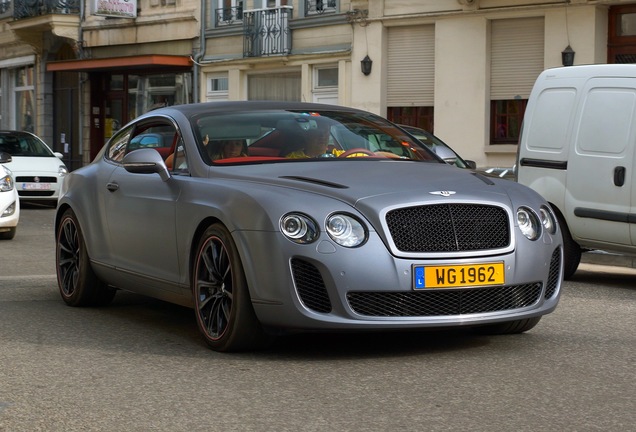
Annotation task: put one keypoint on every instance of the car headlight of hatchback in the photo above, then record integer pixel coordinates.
(528, 223)
(299, 228)
(346, 230)
(62, 170)
(6, 183)
(548, 220)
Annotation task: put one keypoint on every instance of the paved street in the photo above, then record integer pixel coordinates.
(140, 365)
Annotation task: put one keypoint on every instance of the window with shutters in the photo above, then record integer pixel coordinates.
(411, 75)
(517, 59)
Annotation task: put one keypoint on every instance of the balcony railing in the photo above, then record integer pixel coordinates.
(319, 7)
(228, 16)
(34, 8)
(267, 32)
(5, 6)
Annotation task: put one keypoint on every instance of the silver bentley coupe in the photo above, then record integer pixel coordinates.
(276, 217)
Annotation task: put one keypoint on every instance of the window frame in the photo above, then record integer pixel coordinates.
(513, 120)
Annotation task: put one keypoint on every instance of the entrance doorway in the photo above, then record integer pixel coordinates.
(66, 138)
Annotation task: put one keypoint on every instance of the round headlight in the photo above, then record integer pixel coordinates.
(299, 228)
(346, 230)
(548, 220)
(528, 223)
(6, 183)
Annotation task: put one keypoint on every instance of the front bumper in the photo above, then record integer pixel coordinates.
(38, 186)
(323, 286)
(9, 210)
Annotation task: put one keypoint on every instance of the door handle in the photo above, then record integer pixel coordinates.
(112, 186)
(619, 176)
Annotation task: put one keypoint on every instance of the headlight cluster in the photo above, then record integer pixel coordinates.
(531, 224)
(299, 228)
(6, 183)
(344, 229)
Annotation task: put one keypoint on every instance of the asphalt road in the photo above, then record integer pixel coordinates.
(140, 365)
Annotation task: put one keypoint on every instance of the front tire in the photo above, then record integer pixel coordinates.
(223, 307)
(78, 284)
(8, 235)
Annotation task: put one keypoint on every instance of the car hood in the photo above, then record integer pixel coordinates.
(34, 164)
(381, 184)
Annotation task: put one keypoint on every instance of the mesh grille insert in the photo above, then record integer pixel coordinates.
(553, 276)
(444, 302)
(310, 286)
(448, 228)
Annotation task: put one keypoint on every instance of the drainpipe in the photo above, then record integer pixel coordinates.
(199, 55)
(80, 85)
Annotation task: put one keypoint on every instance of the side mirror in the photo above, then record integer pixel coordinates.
(5, 157)
(146, 161)
(58, 155)
(446, 154)
(471, 164)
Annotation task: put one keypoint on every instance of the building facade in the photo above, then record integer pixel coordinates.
(73, 71)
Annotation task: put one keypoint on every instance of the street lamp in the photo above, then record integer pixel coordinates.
(567, 56)
(366, 64)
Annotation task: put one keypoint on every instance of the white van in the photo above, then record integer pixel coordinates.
(577, 150)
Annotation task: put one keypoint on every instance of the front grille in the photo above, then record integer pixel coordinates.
(47, 193)
(444, 302)
(31, 179)
(310, 286)
(553, 274)
(449, 228)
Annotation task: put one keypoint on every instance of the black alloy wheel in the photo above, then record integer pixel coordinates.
(78, 284)
(224, 311)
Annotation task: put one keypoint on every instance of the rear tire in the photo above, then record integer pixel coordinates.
(223, 306)
(509, 327)
(78, 284)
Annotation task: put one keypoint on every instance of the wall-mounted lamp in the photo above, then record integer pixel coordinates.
(567, 56)
(366, 64)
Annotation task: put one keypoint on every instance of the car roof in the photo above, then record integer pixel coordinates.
(225, 106)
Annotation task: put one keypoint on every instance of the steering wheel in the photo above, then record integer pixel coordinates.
(355, 152)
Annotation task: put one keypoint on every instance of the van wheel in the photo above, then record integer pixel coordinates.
(571, 250)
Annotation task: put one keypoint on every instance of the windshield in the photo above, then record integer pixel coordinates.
(300, 136)
(23, 144)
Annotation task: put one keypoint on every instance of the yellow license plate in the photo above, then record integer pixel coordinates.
(453, 276)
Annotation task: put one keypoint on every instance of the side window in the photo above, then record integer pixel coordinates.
(180, 164)
(117, 145)
(156, 135)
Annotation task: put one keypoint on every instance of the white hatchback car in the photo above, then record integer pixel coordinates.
(37, 170)
(9, 202)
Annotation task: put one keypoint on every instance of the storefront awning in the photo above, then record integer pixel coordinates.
(151, 61)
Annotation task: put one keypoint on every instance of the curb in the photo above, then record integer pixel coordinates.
(608, 259)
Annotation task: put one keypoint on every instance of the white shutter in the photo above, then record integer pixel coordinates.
(411, 66)
(517, 56)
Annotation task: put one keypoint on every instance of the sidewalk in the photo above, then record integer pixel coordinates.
(608, 259)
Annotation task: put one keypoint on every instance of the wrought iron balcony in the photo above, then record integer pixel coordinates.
(319, 7)
(267, 32)
(34, 8)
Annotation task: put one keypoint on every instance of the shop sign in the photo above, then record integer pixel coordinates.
(115, 8)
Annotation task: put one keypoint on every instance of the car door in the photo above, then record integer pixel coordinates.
(140, 213)
(599, 172)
